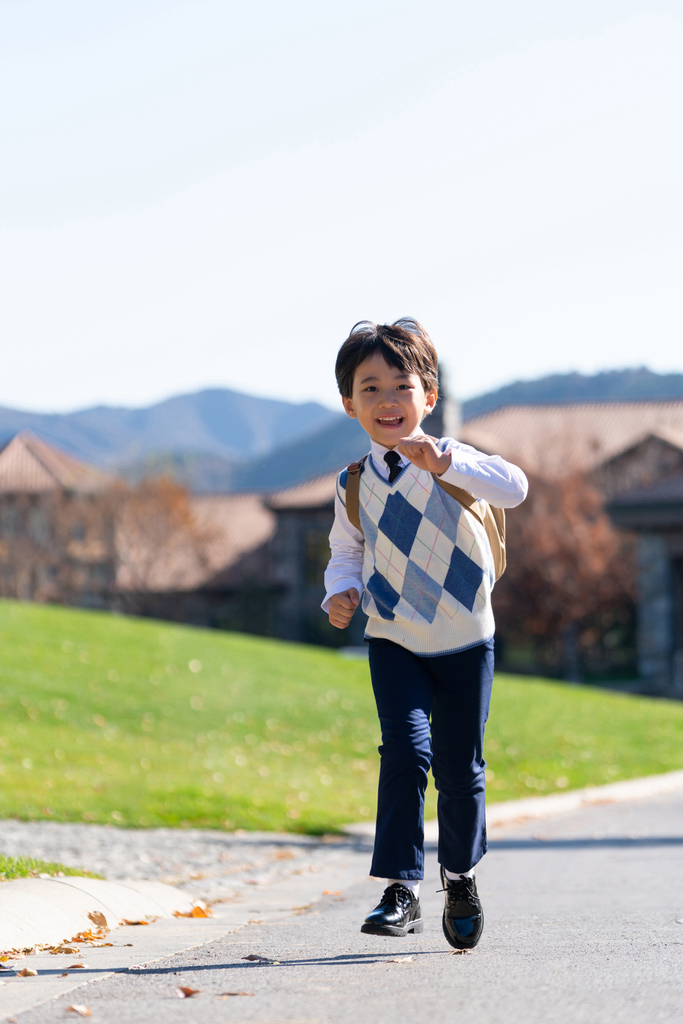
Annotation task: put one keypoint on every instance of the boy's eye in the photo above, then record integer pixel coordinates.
(370, 387)
(404, 387)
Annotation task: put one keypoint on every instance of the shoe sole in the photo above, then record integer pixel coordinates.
(461, 945)
(390, 929)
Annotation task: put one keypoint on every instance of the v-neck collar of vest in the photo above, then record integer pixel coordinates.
(370, 462)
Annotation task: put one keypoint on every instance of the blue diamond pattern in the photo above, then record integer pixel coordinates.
(421, 592)
(444, 512)
(463, 578)
(384, 594)
(400, 522)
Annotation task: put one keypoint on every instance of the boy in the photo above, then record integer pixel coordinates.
(425, 565)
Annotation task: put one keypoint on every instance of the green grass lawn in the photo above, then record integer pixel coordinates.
(131, 721)
(28, 867)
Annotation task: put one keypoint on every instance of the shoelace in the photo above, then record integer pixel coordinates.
(398, 895)
(466, 884)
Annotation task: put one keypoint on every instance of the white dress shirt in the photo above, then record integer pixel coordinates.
(500, 483)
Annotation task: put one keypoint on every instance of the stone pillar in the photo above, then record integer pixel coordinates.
(655, 612)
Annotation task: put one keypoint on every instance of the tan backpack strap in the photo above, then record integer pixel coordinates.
(353, 492)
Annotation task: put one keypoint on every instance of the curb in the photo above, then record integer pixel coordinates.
(51, 910)
(498, 815)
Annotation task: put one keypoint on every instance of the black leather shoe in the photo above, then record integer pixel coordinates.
(463, 915)
(397, 913)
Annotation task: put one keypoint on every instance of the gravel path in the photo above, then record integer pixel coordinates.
(210, 865)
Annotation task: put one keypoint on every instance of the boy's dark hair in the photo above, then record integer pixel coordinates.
(404, 344)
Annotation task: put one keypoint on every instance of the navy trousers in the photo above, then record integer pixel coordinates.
(452, 692)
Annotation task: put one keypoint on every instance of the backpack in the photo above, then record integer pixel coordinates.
(492, 519)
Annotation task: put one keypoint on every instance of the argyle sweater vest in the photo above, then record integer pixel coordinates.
(427, 568)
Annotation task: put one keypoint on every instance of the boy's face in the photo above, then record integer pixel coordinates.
(387, 402)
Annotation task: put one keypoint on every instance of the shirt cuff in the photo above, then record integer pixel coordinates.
(339, 586)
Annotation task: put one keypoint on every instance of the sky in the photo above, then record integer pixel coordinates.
(209, 193)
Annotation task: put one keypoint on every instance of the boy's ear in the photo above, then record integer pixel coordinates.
(431, 398)
(349, 409)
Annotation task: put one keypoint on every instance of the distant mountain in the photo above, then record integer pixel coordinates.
(226, 425)
(328, 449)
(610, 386)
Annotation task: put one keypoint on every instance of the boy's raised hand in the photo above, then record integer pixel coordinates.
(422, 451)
(342, 607)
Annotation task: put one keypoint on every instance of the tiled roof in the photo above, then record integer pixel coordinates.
(28, 465)
(554, 439)
(310, 494)
(227, 528)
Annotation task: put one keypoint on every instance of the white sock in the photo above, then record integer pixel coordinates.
(455, 875)
(414, 886)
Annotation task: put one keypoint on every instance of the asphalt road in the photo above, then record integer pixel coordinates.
(582, 926)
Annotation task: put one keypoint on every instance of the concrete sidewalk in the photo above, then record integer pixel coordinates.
(584, 922)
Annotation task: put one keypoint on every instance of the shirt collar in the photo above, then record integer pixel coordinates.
(378, 452)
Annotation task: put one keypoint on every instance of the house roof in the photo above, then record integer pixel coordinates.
(658, 506)
(313, 493)
(227, 528)
(29, 465)
(552, 440)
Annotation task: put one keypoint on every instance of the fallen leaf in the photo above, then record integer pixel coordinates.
(28, 972)
(224, 995)
(63, 949)
(89, 935)
(80, 1008)
(98, 918)
(260, 959)
(65, 975)
(126, 921)
(331, 892)
(183, 992)
(399, 960)
(200, 910)
(460, 952)
(76, 967)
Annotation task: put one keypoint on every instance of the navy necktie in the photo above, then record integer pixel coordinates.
(392, 460)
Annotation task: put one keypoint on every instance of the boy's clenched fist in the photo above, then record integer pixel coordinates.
(422, 451)
(342, 607)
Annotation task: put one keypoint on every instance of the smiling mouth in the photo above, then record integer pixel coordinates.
(390, 421)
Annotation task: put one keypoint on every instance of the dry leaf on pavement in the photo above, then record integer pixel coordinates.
(80, 1008)
(260, 959)
(76, 967)
(89, 935)
(98, 918)
(126, 921)
(28, 972)
(200, 909)
(184, 992)
(224, 995)
(64, 949)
